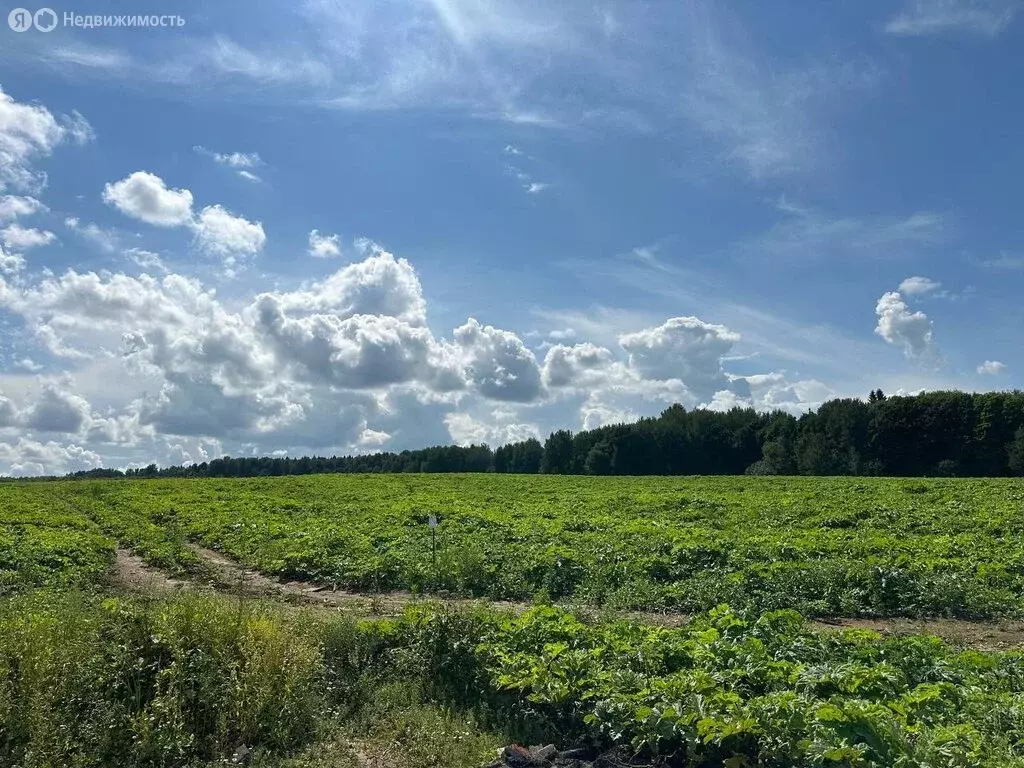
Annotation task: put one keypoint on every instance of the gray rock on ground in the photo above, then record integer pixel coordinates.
(547, 756)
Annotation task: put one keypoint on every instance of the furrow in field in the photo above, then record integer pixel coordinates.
(133, 574)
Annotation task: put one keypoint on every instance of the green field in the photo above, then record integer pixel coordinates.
(45, 541)
(824, 546)
(91, 676)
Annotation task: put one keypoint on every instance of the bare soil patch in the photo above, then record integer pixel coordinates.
(131, 572)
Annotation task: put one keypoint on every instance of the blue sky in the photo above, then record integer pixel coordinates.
(527, 216)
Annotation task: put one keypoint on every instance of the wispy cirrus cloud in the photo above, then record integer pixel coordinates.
(147, 260)
(193, 64)
(1004, 261)
(690, 70)
(242, 163)
(985, 18)
(89, 57)
(801, 238)
(231, 159)
(771, 119)
(774, 334)
(106, 240)
(805, 234)
(530, 185)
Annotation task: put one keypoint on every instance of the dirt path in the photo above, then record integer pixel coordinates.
(132, 573)
(231, 577)
(235, 576)
(998, 635)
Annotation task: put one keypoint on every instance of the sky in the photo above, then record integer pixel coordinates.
(313, 227)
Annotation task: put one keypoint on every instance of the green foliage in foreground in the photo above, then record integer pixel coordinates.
(115, 684)
(823, 546)
(91, 682)
(762, 692)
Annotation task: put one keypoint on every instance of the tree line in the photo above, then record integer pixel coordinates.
(949, 434)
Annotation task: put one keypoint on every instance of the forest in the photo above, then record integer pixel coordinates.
(934, 434)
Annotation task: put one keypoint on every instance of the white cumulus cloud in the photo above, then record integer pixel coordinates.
(11, 263)
(144, 196)
(344, 364)
(684, 348)
(899, 326)
(217, 231)
(13, 206)
(29, 132)
(991, 367)
(18, 238)
(913, 286)
(324, 246)
(497, 362)
(221, 233)
(30, 457)
(467, 430)
(577, 366)
(380, 284)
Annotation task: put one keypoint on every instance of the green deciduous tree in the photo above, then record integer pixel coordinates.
(1015, 453)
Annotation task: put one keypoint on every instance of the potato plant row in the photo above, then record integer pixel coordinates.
(823, 546)
(46, 542)
(748, 691)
